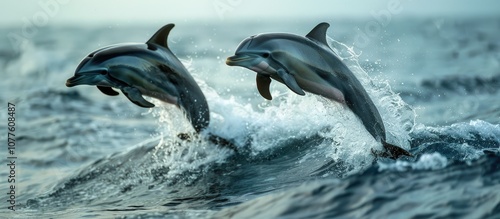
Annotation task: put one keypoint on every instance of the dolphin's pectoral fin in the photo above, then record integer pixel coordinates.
(263, 83)
(290, 82)
(134, 95)
(108, 91)
(318, 33)
(393, 151)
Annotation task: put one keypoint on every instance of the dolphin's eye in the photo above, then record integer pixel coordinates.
(103, 72)
(265, 55)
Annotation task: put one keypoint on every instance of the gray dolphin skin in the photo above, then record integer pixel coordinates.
(309, 64)
(149, 69)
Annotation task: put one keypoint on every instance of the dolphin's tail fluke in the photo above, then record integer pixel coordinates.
(393, 151)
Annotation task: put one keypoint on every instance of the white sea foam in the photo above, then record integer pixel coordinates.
(465, 130)
(467, 139)
(434, 161)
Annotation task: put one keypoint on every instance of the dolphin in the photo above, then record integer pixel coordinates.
(149, 69)
(309, 64)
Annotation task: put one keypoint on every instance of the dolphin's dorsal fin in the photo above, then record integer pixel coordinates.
(263, 83)
(318, 33)
(161, 36)
(134, 95)
(290, 82)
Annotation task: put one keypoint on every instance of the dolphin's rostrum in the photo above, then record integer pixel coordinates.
(149, 69)
(309, 64)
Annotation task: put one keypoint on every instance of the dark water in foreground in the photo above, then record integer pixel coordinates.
(81, 154)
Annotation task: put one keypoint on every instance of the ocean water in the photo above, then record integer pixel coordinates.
(81, 154)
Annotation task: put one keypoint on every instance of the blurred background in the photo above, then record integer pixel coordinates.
(157, 12)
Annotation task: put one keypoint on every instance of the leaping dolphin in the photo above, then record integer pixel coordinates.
(149, 69)
(308, 63)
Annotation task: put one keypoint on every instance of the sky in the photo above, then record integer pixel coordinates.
(93, 12)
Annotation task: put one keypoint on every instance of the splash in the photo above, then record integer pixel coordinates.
(398, 116)
(176, 155)
(260, 127)
(268, 126)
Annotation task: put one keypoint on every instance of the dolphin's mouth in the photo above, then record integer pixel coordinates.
(76, 80)
(89, 78)
(237, 60)
(252, 62)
